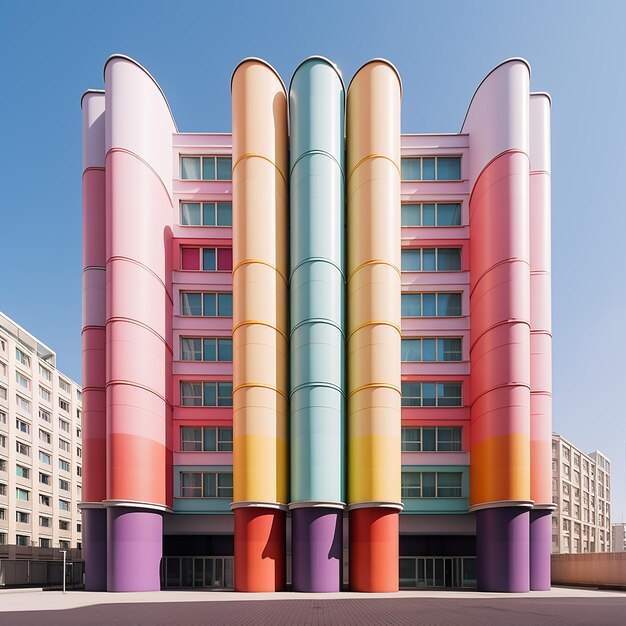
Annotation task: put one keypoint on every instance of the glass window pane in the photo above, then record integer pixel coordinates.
(428, 169)
(224, 485)
(225, 259)
(411, 304)
(448, 259)
(429, 350)
(449, 304)
(428, 215)
(225, 305)
(191, 349)
(428, 484)
(411, 438)
(410, 215)
(210, 394)
(208, 213)
(449, 349)
(210, 439)
(429, 391)
(208, 168)
(411, 394)
(428, 439)
(208, 302)
(191, 394)
(190, 168)
(210, 353)
(208, 260)
(449, 394)
(410, 260)
(449, 439)
(190, 304)
(224, 168)
(209, 490)
(410, 350)
(191, 438)
(449, 214)
(190, 213)
(428, 260)
(428, 305)
(224, 349)
(224, 214)
(449, 168)
(410, 484)
(225, 443)
(225, 394)
(410, 169)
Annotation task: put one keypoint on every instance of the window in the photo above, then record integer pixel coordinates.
(206, 213)
(45, 479)
(45, 437)
(206, 394)
(22, 357)
(78, 414)
(64, 545)
(79, 397)
(44, 500)
(45, 542)
(206, 349)
(431, 214)
(79, 452)
(3, 487)
(45, 458)
(206, 304)
(431, 168)
(22, 472)
(64, 465)
(21, 517)
(431, 485)
(79, 433)
(442, 349)
(22, 540)
(3, 393)
(64, 505)
(205, 168)
(3, 417)
(207, 439)
(79, 470)
(22, 381)
(44, 394)
(45, 373)
(431, 394)
(45, 415)
(3, 369)
(431, 439)
(23, 404)
(22, 448)
(22, 426)
(22, 494)
(64, 445)
(65, 386)
(64, 405)
(79, 528)
(206, 485)
(64, 524)
(431, 259)
(207, 259)
(3, 513)
(64, 485)
(64, 425)
(431, 304)
(3, 441)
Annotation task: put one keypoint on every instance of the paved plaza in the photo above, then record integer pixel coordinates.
(560, 607)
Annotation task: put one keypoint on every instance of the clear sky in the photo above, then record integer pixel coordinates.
(50, 52)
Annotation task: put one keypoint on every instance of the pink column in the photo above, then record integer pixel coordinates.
(94, 338)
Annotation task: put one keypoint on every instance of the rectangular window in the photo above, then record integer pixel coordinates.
(22, 472)
(3, 393)
(22, 540)
(44, 500)
(207, 439)
(205, 168)
(22, 448)
(44, 436)
(64, 445)
(206, 485)
(206, 349)
(45, 542)
(3, 513)
(207, 259)
(431, 484)
(431, 168)
(64, 524)
(431, 439)
(22, 517)
(431, 394)
(64, 465)
(3, 441)
(431, 259)
(45, 373)
(79, 470)
(206, 213)
(23, 404)
(45, 416)
(44, 458)
(22, 357)
(206, 394)
(64, 405)
(64, 425)
(22, 426)
(45, 479)
(431, 214)
(3, 486)
(3, 417)
(431, 304)
(64, 505)
(64, 485)
(22, 494)
(22, 381)
(428, 349)
(44, 394)
(206, 304)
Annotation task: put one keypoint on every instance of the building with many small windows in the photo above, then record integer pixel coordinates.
(618, 537)
(317, 351)
(581, 492)
(40, 450)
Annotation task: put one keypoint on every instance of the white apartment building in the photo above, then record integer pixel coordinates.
(581, 489)
(618, 537)
(40, 449)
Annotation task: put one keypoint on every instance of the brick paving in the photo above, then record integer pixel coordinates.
(200, 609)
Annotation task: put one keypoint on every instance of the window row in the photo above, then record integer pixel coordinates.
(428, 349)
(207, 259)
(431, 439)
(431, 168)
(206, 349)
(206, 394)
(206, 485)
(431, 484)
(431, 304)
(206, 213)
(206, 439)
(431, 394)
(205, 168)
(205, 304)
(431, 259)
(431, 214)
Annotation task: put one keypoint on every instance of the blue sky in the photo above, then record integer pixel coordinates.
(50, 52)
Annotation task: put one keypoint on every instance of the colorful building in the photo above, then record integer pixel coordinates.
(317, 352)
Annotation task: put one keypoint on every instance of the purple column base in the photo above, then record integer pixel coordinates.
(135, 547)
(316, 546)
(95, 549)
(502, 549)
(540, 549)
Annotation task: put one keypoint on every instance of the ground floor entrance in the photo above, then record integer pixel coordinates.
(432, 572)
(212, 572)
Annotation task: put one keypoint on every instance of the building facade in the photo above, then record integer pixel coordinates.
(618, 537)
(40, 449)
(317, 351)
(581, 491)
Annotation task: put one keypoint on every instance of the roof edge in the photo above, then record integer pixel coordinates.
(379, 60)
(88, 91)
(320, 58)
(258, 60)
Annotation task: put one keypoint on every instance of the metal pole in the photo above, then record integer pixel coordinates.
(64, 555)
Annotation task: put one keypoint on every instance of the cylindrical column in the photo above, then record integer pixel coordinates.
(260, 347)
(373, 219)
(94, 341)
(139, 129)
(317, 340)
(540, 345)
(497, 124)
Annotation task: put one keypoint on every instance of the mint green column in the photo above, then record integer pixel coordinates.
(317, 334)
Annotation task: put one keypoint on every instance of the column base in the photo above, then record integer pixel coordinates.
(95, 549)
(502, 549)
(135, 548)
(540, 549)
(259, 549)
(316, 545)
(374, 550)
